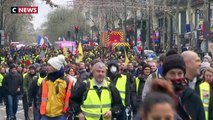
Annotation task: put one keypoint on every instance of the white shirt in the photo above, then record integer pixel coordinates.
(193, 83)
(99, 85)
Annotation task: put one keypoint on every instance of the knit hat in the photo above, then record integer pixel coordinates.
(171, 52)
(204, 65)
(13, 66)
(57, 62)
(172, 62)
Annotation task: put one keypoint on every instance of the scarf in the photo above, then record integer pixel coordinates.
(55, 75)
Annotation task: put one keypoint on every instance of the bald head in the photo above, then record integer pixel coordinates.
(193, 63)
(189, 55)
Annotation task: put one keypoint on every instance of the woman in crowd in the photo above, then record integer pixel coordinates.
(160, 103)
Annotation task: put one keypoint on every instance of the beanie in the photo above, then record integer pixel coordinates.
(171, 52)
(204, 65)
(13, 66)
(172, 62)
(57, 62)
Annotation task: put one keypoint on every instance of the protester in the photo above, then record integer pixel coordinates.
(208, 76)
(27, 81)
(123, 84)
(154, 75)
(140, 82)
(206, 93)
(55, 91)
(193, 64)
(12, 84)
(2, 72)
(189, 103)
(96, 98)
(33, 94)
(83, 74)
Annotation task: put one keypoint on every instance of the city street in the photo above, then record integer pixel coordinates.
(20, 112)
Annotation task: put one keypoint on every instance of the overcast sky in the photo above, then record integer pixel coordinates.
(43, 10)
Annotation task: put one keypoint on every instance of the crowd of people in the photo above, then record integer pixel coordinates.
(103, 86)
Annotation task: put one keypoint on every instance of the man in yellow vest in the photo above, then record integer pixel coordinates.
(96, 98)
(55, 91)
(126, 87)
(206, 93)
(140, 82)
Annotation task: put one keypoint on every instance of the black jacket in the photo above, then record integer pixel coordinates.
(11, 82)
(191, 104)
(33, 93)
(140, 90)
(80, 90)
(130, 85)
(83, 75)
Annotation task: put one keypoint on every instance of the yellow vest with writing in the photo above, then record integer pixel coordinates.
(121, 86)
(205, 97)
(56, 97)
(93, 106)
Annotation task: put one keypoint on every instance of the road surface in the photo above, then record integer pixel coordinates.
(19, 115)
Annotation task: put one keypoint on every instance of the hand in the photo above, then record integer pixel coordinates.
(18, 89)
(81, 116)
(108, 114)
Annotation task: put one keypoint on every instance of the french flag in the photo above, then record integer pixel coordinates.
(41, 42)
(48, 41)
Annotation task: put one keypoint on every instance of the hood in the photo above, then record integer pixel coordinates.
(111, 63)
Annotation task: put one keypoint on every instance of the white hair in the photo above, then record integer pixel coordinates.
(98, 65)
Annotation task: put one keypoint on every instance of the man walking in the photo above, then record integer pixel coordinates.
(97, 98)
(12, 83)
(55, 91)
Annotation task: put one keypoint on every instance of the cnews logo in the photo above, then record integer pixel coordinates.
(24, 10)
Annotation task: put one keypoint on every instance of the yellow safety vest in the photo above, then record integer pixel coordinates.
(35, 58)
(56, 97)
(40, 79)
(3, 59)
(93, 106)
(121, 86)
(24, 75)
(205, 97)
(24, 58)
(137, 81)
(1, 79)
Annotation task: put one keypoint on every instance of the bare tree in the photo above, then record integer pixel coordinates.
(177, 22)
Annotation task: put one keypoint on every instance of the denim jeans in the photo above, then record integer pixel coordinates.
(36, 113)
(12, 105)
(62, 117)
